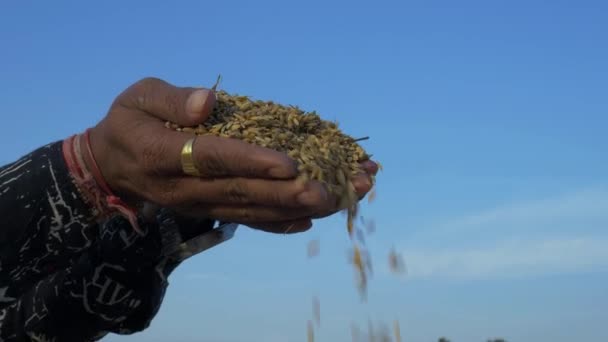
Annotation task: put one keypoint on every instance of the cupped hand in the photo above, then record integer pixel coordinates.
(240, 182)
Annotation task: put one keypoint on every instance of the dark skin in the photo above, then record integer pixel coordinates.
(242, 183)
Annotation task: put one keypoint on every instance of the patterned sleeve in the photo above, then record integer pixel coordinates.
(45, 223)
(64, 277)
(116, 286)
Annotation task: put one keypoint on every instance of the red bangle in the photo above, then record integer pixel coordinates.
(83, 180)
(94, 167)
(91, 182)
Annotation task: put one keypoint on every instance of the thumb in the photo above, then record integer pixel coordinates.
(184, 106)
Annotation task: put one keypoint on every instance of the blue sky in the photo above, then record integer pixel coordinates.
(488, 116)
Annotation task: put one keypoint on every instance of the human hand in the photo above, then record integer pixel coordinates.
(240, 182)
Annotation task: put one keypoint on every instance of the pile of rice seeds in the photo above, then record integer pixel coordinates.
(323, 152)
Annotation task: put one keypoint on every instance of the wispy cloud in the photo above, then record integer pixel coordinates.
(511, 259)
(575, 206)
(563, 234)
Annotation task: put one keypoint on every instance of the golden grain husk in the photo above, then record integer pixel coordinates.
(323, 152)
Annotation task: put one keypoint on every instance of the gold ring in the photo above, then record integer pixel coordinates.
(187, 160)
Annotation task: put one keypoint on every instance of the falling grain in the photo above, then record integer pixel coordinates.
(371, 196)
(355, 332)
(311, 332)
(397, 331)
(396, 263)
(316, 310)
(314, 247)
(370, 225)
(361, 262)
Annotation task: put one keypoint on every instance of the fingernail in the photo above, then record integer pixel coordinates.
(308, 198)
(282, 172)
(362, 183)
(370, 166)
(364, 179)
(287, 169)
(197, 102)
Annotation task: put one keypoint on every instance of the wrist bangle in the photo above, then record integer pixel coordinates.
(91, 183)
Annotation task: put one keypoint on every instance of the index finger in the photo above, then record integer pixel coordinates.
(227, 157)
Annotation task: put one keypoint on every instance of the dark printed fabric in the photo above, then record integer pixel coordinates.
(44, 224)
(64, 277)
(116, 286)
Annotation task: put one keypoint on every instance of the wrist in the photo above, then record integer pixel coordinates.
(96, 158)
(91, 183)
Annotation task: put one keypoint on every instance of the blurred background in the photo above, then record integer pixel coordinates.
(489, 118)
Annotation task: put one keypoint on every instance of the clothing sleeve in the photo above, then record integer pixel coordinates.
(44, 222)
(117, 285)
(66, 277)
